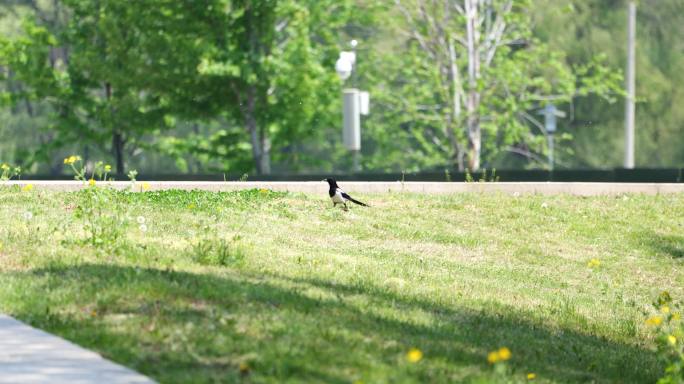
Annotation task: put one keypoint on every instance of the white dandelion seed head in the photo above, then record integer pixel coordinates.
(545, 205)
(140, 219)
(28, 215)
(143, 227)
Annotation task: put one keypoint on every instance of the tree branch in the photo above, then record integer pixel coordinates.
(525, 153)
(493, 39)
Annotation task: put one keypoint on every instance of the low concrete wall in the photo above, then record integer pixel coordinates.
(548, 188)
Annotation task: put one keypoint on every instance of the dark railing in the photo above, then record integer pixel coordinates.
(618, 175)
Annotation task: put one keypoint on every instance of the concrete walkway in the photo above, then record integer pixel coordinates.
(31, 356)
(319, 187)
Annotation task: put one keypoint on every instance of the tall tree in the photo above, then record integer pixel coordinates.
(102, 71)
(266, 54)
(24, 141)
(587, 28)
(482, 54)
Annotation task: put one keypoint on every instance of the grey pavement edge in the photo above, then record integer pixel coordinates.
(31, 356)
(547, 188)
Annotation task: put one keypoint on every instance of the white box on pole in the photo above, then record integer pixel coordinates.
(364, 102)
(351, 133)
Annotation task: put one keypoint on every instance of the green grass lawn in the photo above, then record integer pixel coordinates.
(259, 286)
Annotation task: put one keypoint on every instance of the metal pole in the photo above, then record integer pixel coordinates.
(550, 139)
(630, 85)
(357, 161)
(351, 133)
(356, 153)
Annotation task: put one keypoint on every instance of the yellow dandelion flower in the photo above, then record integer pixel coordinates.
(676, 316)
(71, 159)
(493, 357)
(655, 320)
(671, 339)
(263, 190)
(414, 355)
(504, 353)
(107, 168)
(593, 263)
(191, 206)
(531, 376)
(27, 188)
(665, 309)
(91, 182)
(145, 186)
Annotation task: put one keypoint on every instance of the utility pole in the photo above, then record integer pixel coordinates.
(352, 125)
(355, 104)
(550, 113)
(631, 72)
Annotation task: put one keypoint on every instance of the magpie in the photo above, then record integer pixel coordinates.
(338, 196)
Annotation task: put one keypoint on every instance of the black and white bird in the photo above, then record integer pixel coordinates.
(338, 196)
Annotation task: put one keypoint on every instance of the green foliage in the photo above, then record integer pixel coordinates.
(135, 68)
(669, 337)
(103, 215)
(99, 170)
(218, 252)
(132, 174)
(233, 86)
(482, 176)
(468, 176)
(89, 71)
(598, 28)
(521, 77)
(7, 172)
(275, 58)
(104, 218)
(222, 150)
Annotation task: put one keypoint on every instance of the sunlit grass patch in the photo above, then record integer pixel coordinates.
(265, 286)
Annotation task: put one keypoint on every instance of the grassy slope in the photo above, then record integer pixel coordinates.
(311, 293)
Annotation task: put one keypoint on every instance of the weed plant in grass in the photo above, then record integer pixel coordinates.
(264, 287)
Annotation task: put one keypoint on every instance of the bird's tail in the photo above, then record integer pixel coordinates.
(357, 202)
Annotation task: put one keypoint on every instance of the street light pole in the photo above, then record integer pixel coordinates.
(356, 153)
(551, 142)
(351, 119)
(355, 104)
(550, 113)
(630, 80)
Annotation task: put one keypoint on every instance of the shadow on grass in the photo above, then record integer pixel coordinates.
(180, 327)
(671, 245)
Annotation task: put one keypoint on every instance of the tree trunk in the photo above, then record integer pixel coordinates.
(118, 149)
(261, 145)
(265, 152)
(258, 137)
(454, 119)
(117, 137)
(473, 94)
